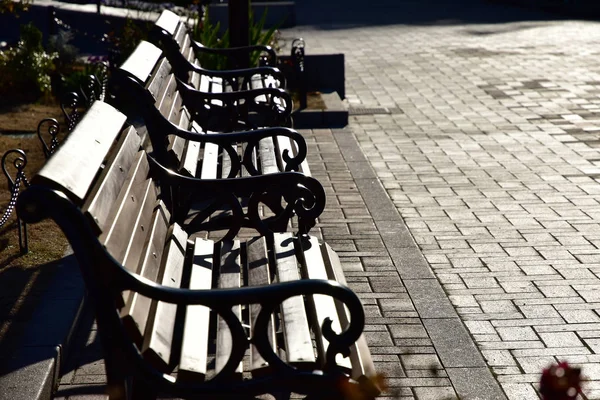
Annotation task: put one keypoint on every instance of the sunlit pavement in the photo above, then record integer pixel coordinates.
(484, 131)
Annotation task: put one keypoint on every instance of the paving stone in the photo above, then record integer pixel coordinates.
(434, 393)
(517, 333)
(561, 339)
(420, 361)
(463, 378)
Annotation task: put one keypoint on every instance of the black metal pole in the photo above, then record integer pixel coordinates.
(239, 30)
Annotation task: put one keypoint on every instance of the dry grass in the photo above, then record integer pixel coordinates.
(314, 101)
(19, 273)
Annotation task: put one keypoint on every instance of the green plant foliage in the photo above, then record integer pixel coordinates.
(127, 39)
(207, 33)
(78, 76)
(260, 37)
(25, 69)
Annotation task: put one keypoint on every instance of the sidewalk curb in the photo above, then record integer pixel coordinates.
(457, 350)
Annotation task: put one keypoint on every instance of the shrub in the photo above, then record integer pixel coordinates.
(25, 69)
(207, 33)
(125, 40)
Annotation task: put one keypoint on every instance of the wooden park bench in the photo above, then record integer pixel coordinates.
(154, 100)
(171, 34)
(179, 314)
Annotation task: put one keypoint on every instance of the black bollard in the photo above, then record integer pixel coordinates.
(298, 60)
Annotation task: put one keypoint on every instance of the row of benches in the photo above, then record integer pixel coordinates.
(179, 311)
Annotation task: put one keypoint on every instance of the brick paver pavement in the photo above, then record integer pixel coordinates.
(486, 140)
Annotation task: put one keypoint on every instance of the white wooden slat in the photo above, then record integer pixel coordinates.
(257, 265)
(158, 84)
(212, 85)
(298, 344)
(217, 86)
(195, 79)
(179, 116)
(142, 61)
(159, 342)
(256, 82)
(181, 34)
(83, 152)
(130, 218)
(270, 82)
(194, 348)
(131, 215)
(245, 172)
(323, 306)
(362, 362)
(210, 157)
(266, 153)
(189, 163)
(191, 57)
(136, 315)
(100, 204)
(229, 277)
(168, 21)
(205, 84)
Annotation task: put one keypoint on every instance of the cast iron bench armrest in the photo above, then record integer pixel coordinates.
(182, 64)
(234, 51)
(304, 195)
(164, 127)
(194, 98)
(234, 74)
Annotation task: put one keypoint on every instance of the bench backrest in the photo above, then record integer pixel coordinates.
(104, 172)
(171, 34)
(102, 169)
(148, 94)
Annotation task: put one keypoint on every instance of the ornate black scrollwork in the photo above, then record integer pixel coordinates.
(160, 127)
(19, 163)
(269, 298)
(51, 126)
(231, 219)
(91, 89)
(72, 106)
(285, 194)
(304, 198)
(236, 106)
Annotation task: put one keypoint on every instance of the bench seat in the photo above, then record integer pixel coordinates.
(186, 315)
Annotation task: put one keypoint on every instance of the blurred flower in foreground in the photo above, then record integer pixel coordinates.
(366, 389)
(560, 382)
